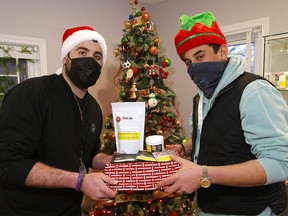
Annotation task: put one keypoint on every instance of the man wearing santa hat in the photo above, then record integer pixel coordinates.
(239, 129)
(50, 133)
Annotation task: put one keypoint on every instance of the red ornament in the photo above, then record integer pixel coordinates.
(135, 70)
(174, 213)
(135, 2)
(113, 137)
(164, 64)
(153, 70)
(145, 17)
(163, 73)
(124, 48)
(142, 8)
(153, 50)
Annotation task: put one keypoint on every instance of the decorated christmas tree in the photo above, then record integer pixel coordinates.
(140, 78)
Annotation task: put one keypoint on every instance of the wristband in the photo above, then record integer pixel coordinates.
(80, 181)
(183, 148)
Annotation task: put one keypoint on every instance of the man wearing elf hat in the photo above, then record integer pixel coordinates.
(50, 133)
(239, 129)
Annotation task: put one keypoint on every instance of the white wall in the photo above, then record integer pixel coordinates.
(166, 16)
(49, 18)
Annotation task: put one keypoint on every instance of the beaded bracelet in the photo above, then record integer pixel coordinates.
(80, 180)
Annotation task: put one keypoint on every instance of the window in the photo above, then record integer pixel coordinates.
(247, 39)
(20, 58)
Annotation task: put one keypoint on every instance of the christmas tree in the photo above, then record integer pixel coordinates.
(140, 78)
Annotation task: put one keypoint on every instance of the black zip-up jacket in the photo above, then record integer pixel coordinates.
(40, 121)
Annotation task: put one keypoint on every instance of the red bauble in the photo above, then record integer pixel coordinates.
(145, 17)
(135, 2)
(153, 70)
(174, 213)
(135, 70)
(163, 73)
(124, 48)
(112, 136)
(153, 50)
(164, 64)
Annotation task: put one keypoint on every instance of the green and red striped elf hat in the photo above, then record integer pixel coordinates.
(196, 31)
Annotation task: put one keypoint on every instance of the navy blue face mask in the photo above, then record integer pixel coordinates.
(206, 75)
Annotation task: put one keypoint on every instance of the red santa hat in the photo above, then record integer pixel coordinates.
(196, 31)
(74, 36)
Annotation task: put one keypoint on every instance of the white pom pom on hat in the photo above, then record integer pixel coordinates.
(74, 36)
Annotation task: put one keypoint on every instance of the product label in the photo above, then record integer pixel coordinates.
(129, 135)
(154, 148)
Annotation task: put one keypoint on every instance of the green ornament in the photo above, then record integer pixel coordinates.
(173, 95)
(168, 61)
(108, 125)
(123, 95)
(170, 115)
(124, 40)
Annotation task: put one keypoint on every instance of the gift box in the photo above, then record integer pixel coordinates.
(139, 176)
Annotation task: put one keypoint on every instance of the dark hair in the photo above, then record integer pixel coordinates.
(215, 47)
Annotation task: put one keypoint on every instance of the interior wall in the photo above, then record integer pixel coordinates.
(227, 12)
(49, 19)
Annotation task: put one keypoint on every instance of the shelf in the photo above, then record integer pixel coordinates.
(276, 60)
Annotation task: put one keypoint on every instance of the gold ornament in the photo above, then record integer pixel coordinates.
(133, 91)
(116, 52)
(131, 2)
(159, 132)
(157, 41)
(104, 135)
(127, 24)
(142, 29)
(146, 65)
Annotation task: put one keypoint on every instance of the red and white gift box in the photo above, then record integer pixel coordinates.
(138, 176)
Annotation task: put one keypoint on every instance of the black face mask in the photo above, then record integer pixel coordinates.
(206, 75)
(84, 72)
